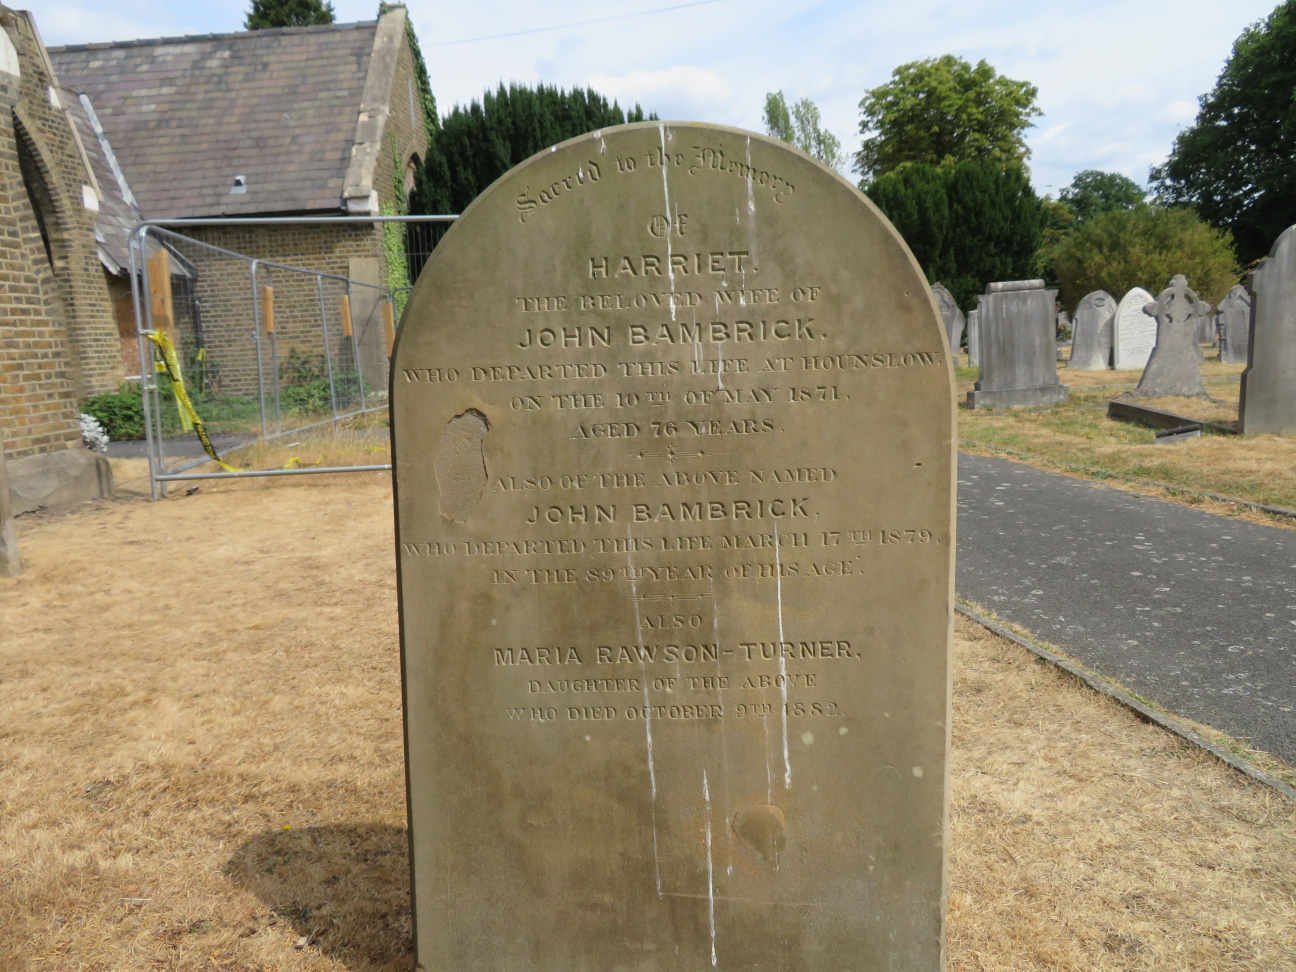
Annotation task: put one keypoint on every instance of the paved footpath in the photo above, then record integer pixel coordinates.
(1192, 609)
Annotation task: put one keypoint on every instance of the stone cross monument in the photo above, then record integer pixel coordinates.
(1173, 368)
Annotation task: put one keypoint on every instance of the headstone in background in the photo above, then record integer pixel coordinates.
(1234, 318)
(950, 315)
(1268, 403)
(1206, 332)
(1173, 368)
(1017, 350)
(1134, 333)
(974, 337)
(1091, 334)
(675, 636)
(10, 562)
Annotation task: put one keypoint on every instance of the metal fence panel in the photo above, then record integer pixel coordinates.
(264, 349)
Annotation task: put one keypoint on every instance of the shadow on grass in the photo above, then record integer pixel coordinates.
(343, 888)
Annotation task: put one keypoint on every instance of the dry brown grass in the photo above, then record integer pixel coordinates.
(1079, 439)
(200, 767)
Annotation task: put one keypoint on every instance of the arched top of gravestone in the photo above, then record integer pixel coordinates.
(1134, 334)
(1238, 294)
(951, 315)
(673, 451)
(1091, 333)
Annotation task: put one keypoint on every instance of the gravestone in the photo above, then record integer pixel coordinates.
(974, 337)
(1017, 349)
(10, 562)
(1091, 340)
(675, 632)
(1268, 402)
(1206, 328)
(1235, 326)
(950, 315)
(1134, 332)
(1173, 368)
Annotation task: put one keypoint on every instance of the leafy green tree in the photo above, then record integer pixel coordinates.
(264, 14)
(1144, 247)
(967, 224)
(801, 126)
(1059, 221)
(944, 110)
(778, 118)
(1234, 165)
(474, 146)
(1092, 192)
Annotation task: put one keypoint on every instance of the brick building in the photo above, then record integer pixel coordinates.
(309, 121)
(299, 121)
(58, 337)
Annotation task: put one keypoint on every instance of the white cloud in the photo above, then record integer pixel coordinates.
(1114, 93)
(695, 90)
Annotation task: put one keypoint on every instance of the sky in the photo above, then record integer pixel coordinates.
(1117, 79)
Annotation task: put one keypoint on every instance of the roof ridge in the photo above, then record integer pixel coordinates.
(190, 38)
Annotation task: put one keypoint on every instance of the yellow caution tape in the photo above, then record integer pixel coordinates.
(168, 362)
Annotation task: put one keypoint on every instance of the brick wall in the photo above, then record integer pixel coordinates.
(405, 137)
(220, 290)
(58, 339)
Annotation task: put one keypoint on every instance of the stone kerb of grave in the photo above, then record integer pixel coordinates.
(1017, 351)
(1134, 332)
(1091, 336)
(1268, 402)
(10, 562)
(1174, 368)
(1234, 317)
(673, 431)
(950, 315)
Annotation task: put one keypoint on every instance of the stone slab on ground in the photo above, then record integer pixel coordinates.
(58, 480)
(1156, 418)
(1191, 609)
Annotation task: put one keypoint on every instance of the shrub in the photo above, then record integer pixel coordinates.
(1144, 247)
(121, 413)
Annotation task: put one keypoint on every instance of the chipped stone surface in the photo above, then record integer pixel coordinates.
(676, 686)
(461, 465)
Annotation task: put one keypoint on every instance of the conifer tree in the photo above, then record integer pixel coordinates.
(265, 14)
(475, 145)
(968, 224)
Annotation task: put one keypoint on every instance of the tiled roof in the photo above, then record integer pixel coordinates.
(185, 115)
(117, 210)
